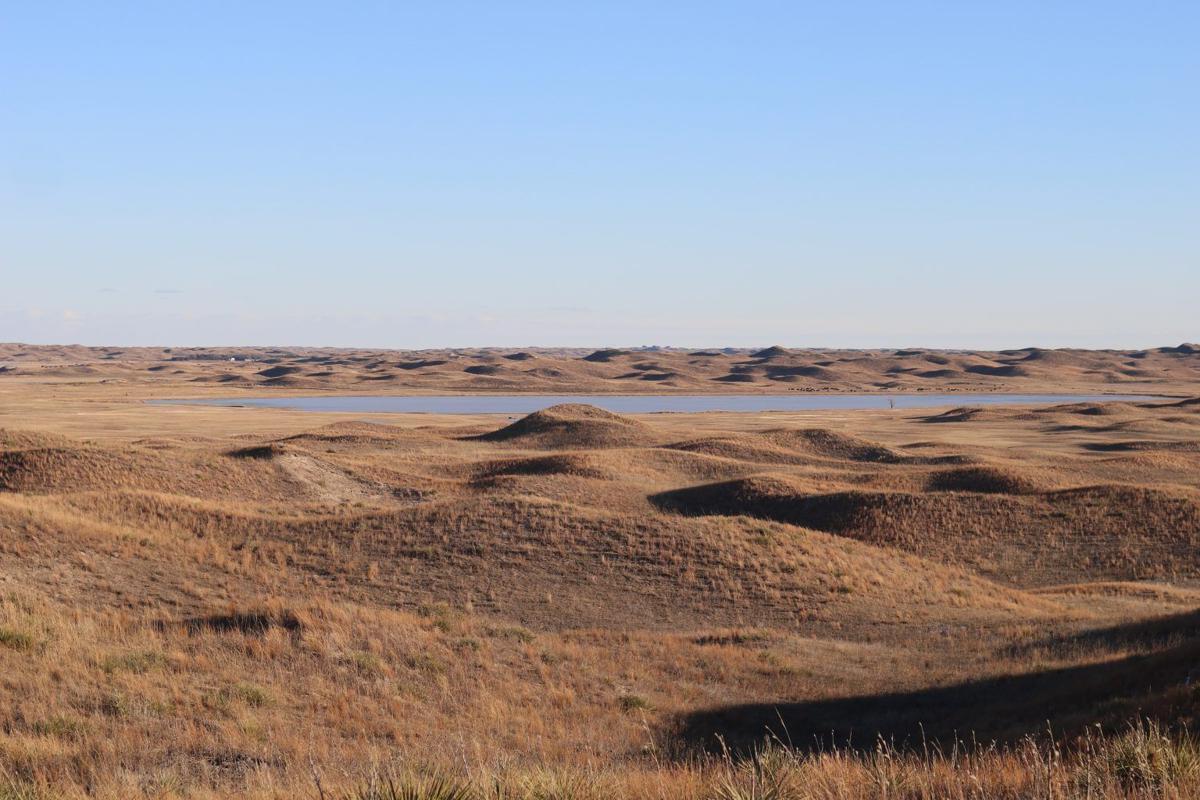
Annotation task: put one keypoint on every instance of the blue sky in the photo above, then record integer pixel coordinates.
(980, 174)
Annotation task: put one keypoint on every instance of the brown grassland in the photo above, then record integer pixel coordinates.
(201, 602)
(234, 370)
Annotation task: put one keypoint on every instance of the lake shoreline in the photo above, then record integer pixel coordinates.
(513, 403)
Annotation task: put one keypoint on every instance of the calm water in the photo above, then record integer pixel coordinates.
(642, 404)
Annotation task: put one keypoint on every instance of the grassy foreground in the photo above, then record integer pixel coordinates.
(1144, 762)
(584, 605)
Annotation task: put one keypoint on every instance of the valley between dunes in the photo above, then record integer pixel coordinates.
(220, 602)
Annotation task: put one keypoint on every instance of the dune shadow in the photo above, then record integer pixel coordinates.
(250, 623)
(1154, 633)
(995, 710)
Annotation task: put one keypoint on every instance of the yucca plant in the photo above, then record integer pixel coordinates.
(1147, 758)
(766, 776)
(433, 788)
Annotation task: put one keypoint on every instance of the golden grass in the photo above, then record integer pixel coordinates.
(324, 608)
(1141, 762)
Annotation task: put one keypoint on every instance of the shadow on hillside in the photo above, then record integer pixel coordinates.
(1149, 634)
(1000, 710)
(254, 624)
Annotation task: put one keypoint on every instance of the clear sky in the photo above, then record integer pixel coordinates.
(402, 174)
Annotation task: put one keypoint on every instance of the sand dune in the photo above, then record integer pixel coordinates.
(1164, 370)
(571, 425)
(192, 576)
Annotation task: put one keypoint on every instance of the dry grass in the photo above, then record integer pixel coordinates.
(202, 610)
(566, 371)
(1141, 762)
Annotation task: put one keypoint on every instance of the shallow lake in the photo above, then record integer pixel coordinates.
(641, 404)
